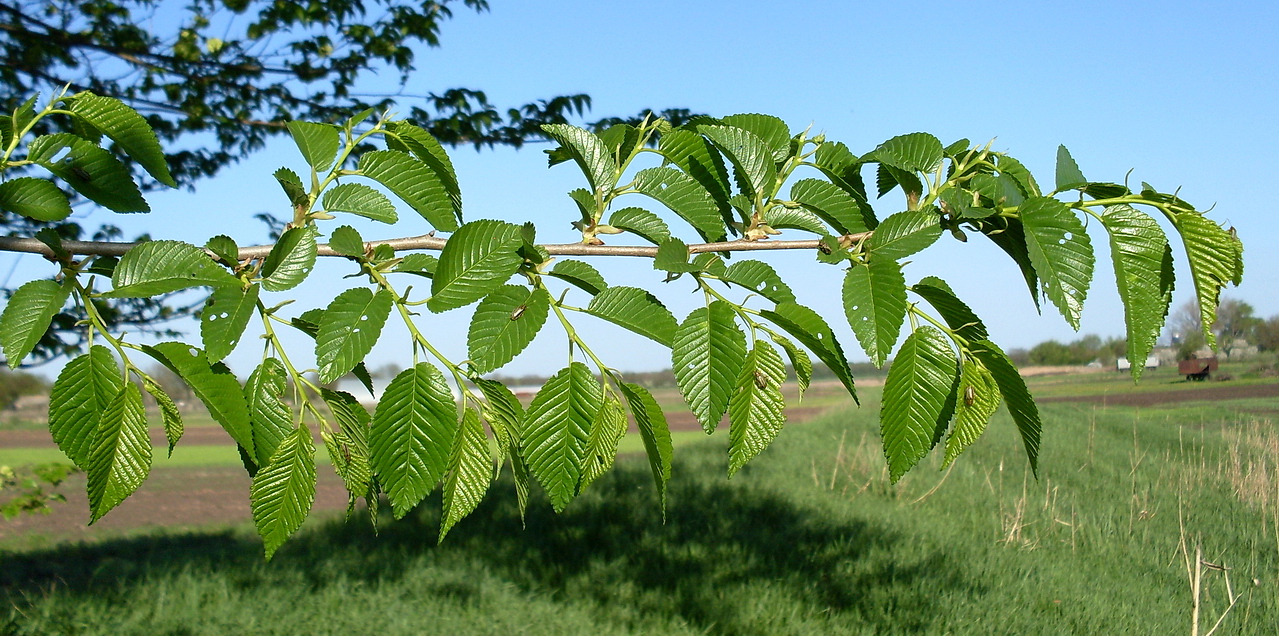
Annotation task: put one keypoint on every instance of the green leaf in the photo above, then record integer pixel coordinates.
(34, 198)
(413, 429)
(954, 311)
(414, 182)
(760, 278)
(291, 259)
(919, 382)
(1069, 176)
(350, 327)
(159, 267)
(1011, 386)
(169, 413)
(420, 264)
(348, 448)
(811, 330)
(621, 140)
(225, 315)
(706, 356)
(505, 322)
(347, 241)
(905, 233)
(470, 470)
(557, 428)
(82, 392)
(843, 169)
(978, 400)
(636, 310)
(875, 304)
(601, 448)
(291, 183)
(580, 274)
(224, 248)
(959, 202)
(590, 153)
(1013, 169)
(361, 200)
(283, 491)
(832, 204)
(120, 457)
(915, 152)
(477, 259)
(1144, 275)
(799, 361)
(127, 128)
(639, 221)
(215, 385)
(1215, 259)
(656, 434)
(771, 130)
(749, 154)
(90, 170)
(505, 416)
(698, 159)
(1061, 252)
(1010, 236)
(429, 151)
(319, 143)
(685, 197)
(27, 316)
(755, 410)
(269, 418)
(782, 218)
(672, 256)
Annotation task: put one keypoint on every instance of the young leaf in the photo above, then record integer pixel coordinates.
(429, 151)
(656, 434)
(361, 200)
(159, 267)
(915, 152)
(269, 417)
(215, 385)
(748, 153)
(601, 448)
(685, 197)
(672, 256)
(904, 233)
(832, 204)
(318, 142)
(557, 428)
(504, 323)
(811, 330)
(505, 415)
(590, 153)
(579, 274)
(413, 430)
(875, 304)
(760, 278)
(224, 248)
(90, 170)
(291, 259)
(643, 223)
(291, 183)
(978, 399)
(1215, 260)
(1013, 388)
(783, 218)
(698, 159)
(82, 392)
(421, 264)
(120, 457)
(350, 327)
(799, 361)
(1144, 276)
(346, 240)
(414, 182)
(916, 390)
(771, 130)
(34, 198)
(225, 315)
(1061, 252)
(27, 316)
(284, 489)
(477, 259)
(1068, 175)
(706, 355)
(127, 128)
(954, 311)
(636, 310)
(470, 470)
(1025, 182)
(755, 410)
(169, 413)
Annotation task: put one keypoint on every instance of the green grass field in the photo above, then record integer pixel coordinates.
(808, 539)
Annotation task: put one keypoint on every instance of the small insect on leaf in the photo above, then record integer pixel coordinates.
(970, 395)
(823, 248)
(761, 380)
(346, 452)
(519, 311)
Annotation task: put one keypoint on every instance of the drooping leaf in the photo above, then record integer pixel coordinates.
(685, 197)
(808, 327)
(1215, 260)
(504, 323)
(579, 274)
(413, 430)
(1013, 389)
(761, 278)
(169, 413)
(351, 325)
(470, 470)
(707, 353)
(27, 316)
(647, 225)
(347, 241)
(318, 142)
(215, 385)
(656, 434)
(1144, 276)
(120, 457)
(1061, 252)
(832, 204)
(905, 233)
(1010, 236)
(348, 448)
(919, 382)
(413, 182)
(34, 198)
(748, 153)
(954, 311)
(843, 168)
(505, 416)
(291, 259)
(429, 151)
(361, 200)
(636, 310)
(799, 361)
(225, 315)
(914, 152)
(284, 489)
(590, 153)
(875, 304)
(771, 130)
(477, 259)
(755, 409)
(159, 267)
(82, 392)
(90, 170)
(557, 429)
(127, 128)
(269, 418)
(977, 401)
(1069, 176)
(601, 447)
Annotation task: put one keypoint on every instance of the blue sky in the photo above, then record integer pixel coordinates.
(1182, 93)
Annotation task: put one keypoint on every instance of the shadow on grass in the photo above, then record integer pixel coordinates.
(721, 541)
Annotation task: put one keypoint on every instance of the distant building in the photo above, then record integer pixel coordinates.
(1152, 362)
